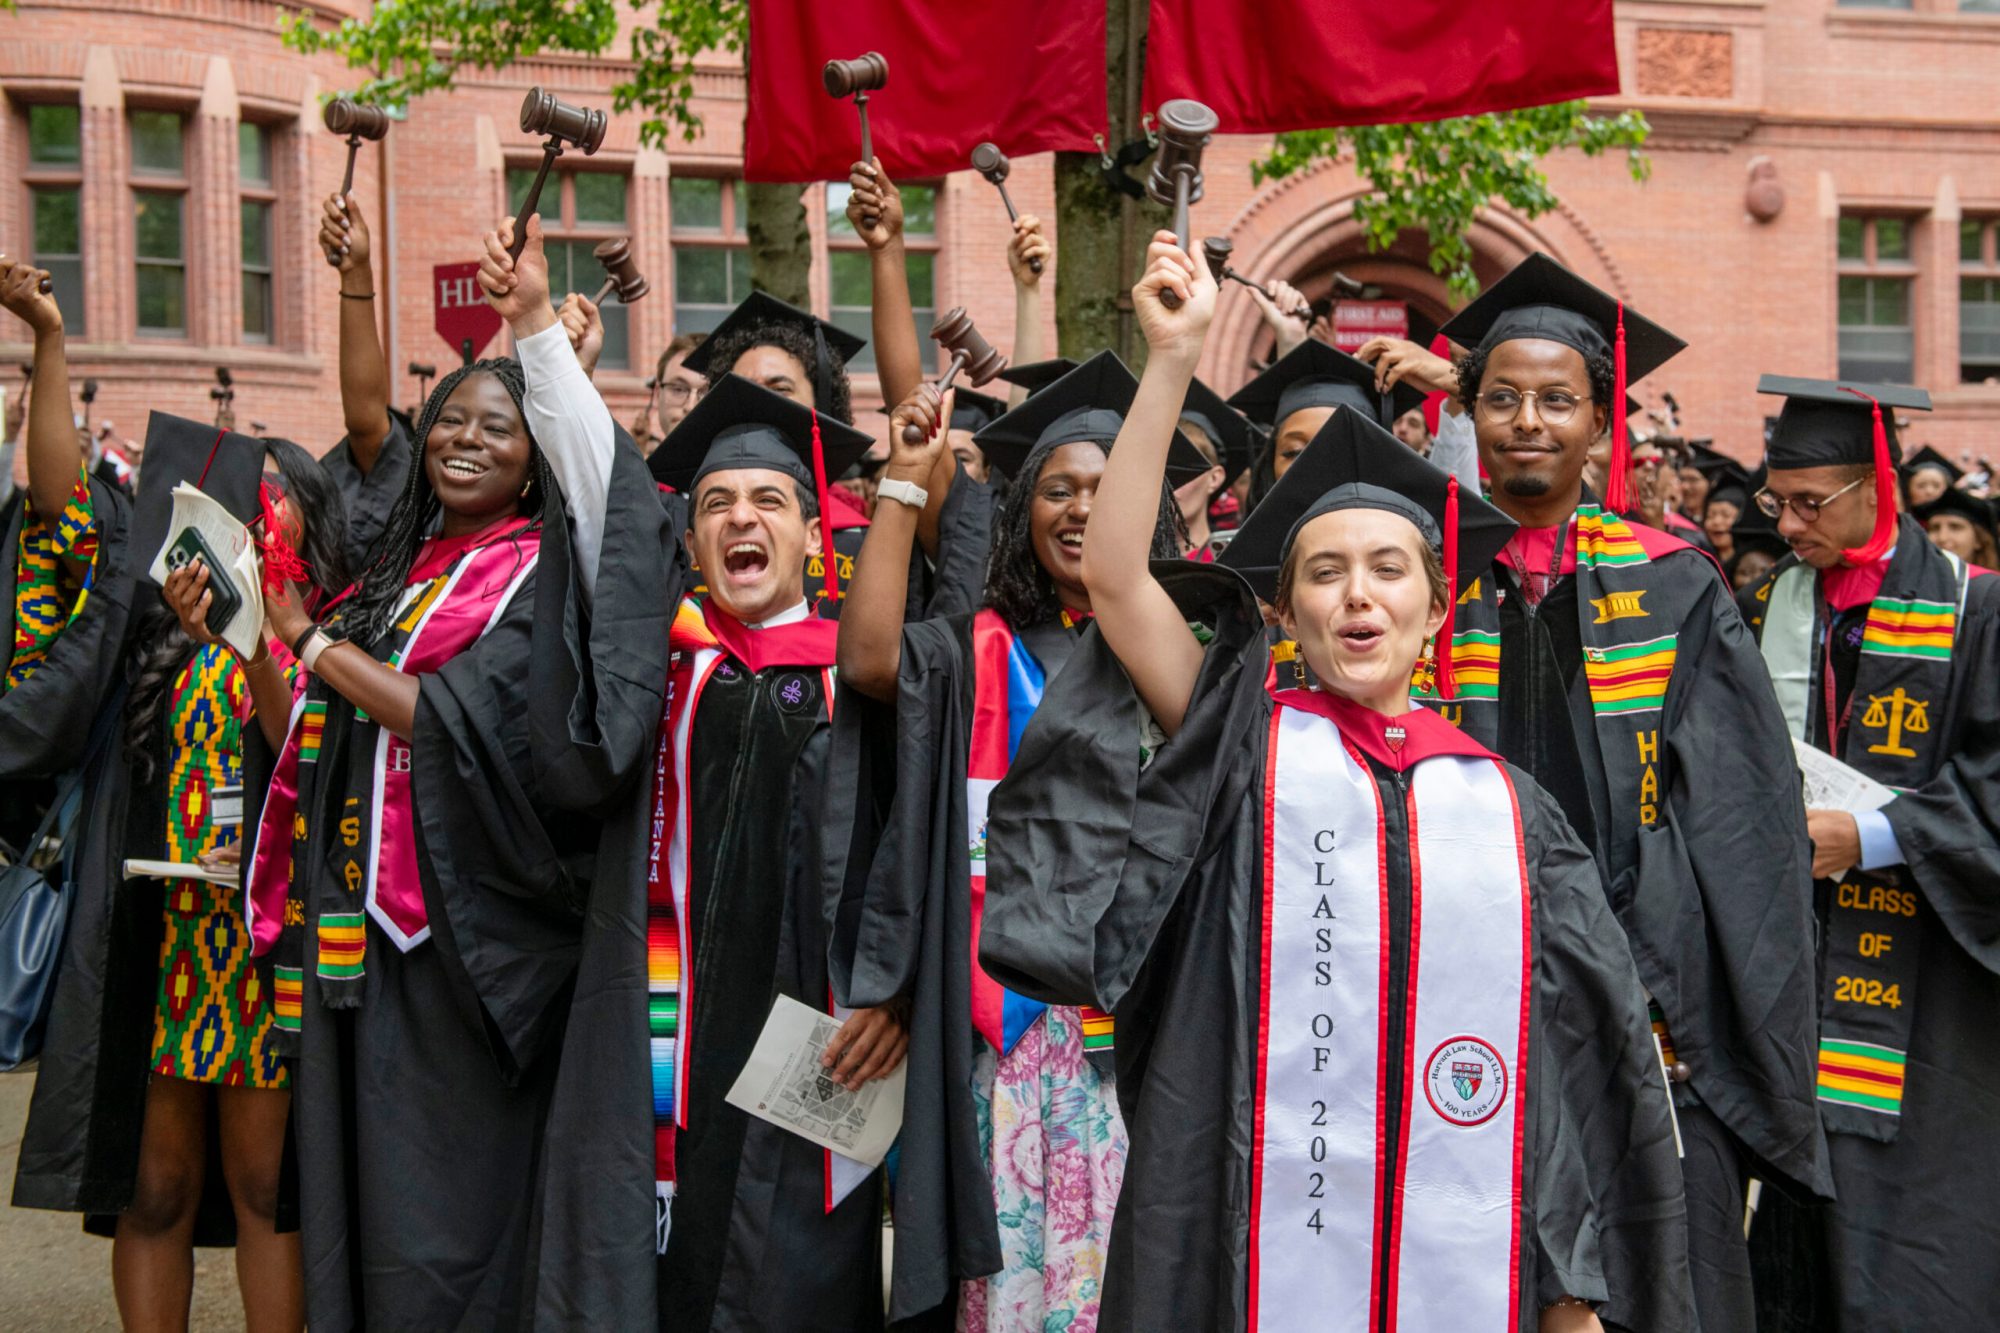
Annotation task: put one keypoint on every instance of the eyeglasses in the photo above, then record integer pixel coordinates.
(1554, 406)
(679, 391)
(1807, 509)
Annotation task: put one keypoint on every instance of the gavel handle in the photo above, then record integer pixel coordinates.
(1183, 187)
(868, 220)
(353, 150)
(1303, 312)
(913, 433)
(604, 291)
(1034, 265)
(532, 204)
(45, 286)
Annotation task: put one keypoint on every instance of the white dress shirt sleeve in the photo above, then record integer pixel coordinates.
(573, 427)
(1455, 450)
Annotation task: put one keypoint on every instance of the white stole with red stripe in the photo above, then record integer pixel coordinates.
(1323, 1134)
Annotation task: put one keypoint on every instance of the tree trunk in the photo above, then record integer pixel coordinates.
(1099, 231)
(780, 243)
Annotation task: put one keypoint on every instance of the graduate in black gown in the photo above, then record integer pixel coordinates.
(372, 460)
(924, 728)
(1608, 659)
(1274, 870)
(417, 883)
(1885, 652)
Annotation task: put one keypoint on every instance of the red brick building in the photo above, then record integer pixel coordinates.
(1825, 195)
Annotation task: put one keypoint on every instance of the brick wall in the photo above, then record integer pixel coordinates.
(1852, 109)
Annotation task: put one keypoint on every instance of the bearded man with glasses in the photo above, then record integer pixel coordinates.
(1609, 660)
(1885, 652)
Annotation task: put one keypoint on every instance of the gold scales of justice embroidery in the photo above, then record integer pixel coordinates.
(1896, 712)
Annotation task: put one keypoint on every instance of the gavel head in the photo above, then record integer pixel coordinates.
(955, 332)
(1186, 126)
(1217, 250)
(344, 115)
(622, 269)
(543, 113)
(990, 162)
(844, 78)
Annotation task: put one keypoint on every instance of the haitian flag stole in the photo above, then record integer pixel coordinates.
(1892, 732)
(1007, 685)
(1325, 1110)
(700, 640)
(1629, 616)
(356, 784)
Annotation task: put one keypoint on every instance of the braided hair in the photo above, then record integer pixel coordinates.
(1017, 586)
(724, 352)
(368, 614)
(160, 648)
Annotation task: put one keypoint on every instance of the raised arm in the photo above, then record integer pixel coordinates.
(53, 452)
(565, 414)
(1135, 615)
(364, 375)
(899, 361)
(871, 618)
(1028, 243)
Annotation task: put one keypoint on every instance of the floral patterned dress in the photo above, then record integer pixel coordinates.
(212, 1021)
(1055, 1145)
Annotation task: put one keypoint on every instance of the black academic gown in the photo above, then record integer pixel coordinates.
(370, 495)
(423, 1115)
(1911, 1239)
(1141, 892)
(80, 1146)
(897, 834)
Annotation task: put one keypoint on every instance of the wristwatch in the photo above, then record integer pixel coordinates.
(903, 492)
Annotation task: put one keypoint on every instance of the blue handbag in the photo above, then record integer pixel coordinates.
(34, 914)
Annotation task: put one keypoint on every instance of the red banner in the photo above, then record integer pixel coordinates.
(1028, 75)
(1266, 67)
(1355, 322)
(459, 309)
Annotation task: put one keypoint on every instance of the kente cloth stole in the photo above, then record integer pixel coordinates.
(1323, 1116)
(696, 650)
(358, 791)
(1629, 617)
(1007, 685)
(39, 614)
(1893, 731)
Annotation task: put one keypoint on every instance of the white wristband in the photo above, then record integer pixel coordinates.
(316, 643)
(903, 492)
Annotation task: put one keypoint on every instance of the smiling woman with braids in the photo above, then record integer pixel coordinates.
(418, 901)
(159, 1023)
(1011, 1126)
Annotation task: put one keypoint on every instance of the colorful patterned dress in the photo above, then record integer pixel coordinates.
(213, 1017)
(39, 614)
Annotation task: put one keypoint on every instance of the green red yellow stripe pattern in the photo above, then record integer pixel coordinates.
(342, 937)
(1605, 541)
(288, 991)
(1860, 1073)
(1475, 663)
(39, 613)
(1631, 677)
(312, 730)
(1097, 1029)
(1913, 628)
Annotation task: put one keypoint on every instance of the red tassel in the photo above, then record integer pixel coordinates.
(1445, 681)
(1884, 535)
(832, 579)
(282, 562)
(1616, 491)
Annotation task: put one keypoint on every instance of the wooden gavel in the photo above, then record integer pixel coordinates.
(616, 256)
(358, 121)
(1186, 126)
(1217, 250)
(543, 113)
(857, 78)
(954, 331)
(990, 162)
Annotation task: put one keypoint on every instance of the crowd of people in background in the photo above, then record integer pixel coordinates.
(1331, 855)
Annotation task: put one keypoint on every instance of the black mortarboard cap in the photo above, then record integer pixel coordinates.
(762, 308)
(1711, 462)
(1089, 403)
(1974, 510)
(1227, 429)
(1929, 457)
(1756, 530)
(1034, 376)
(223, 464)
(1316, 375)
(738, 424)
(973, 410)
(1829, 422)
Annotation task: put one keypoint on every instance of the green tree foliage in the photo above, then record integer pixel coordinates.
(1435, 176)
